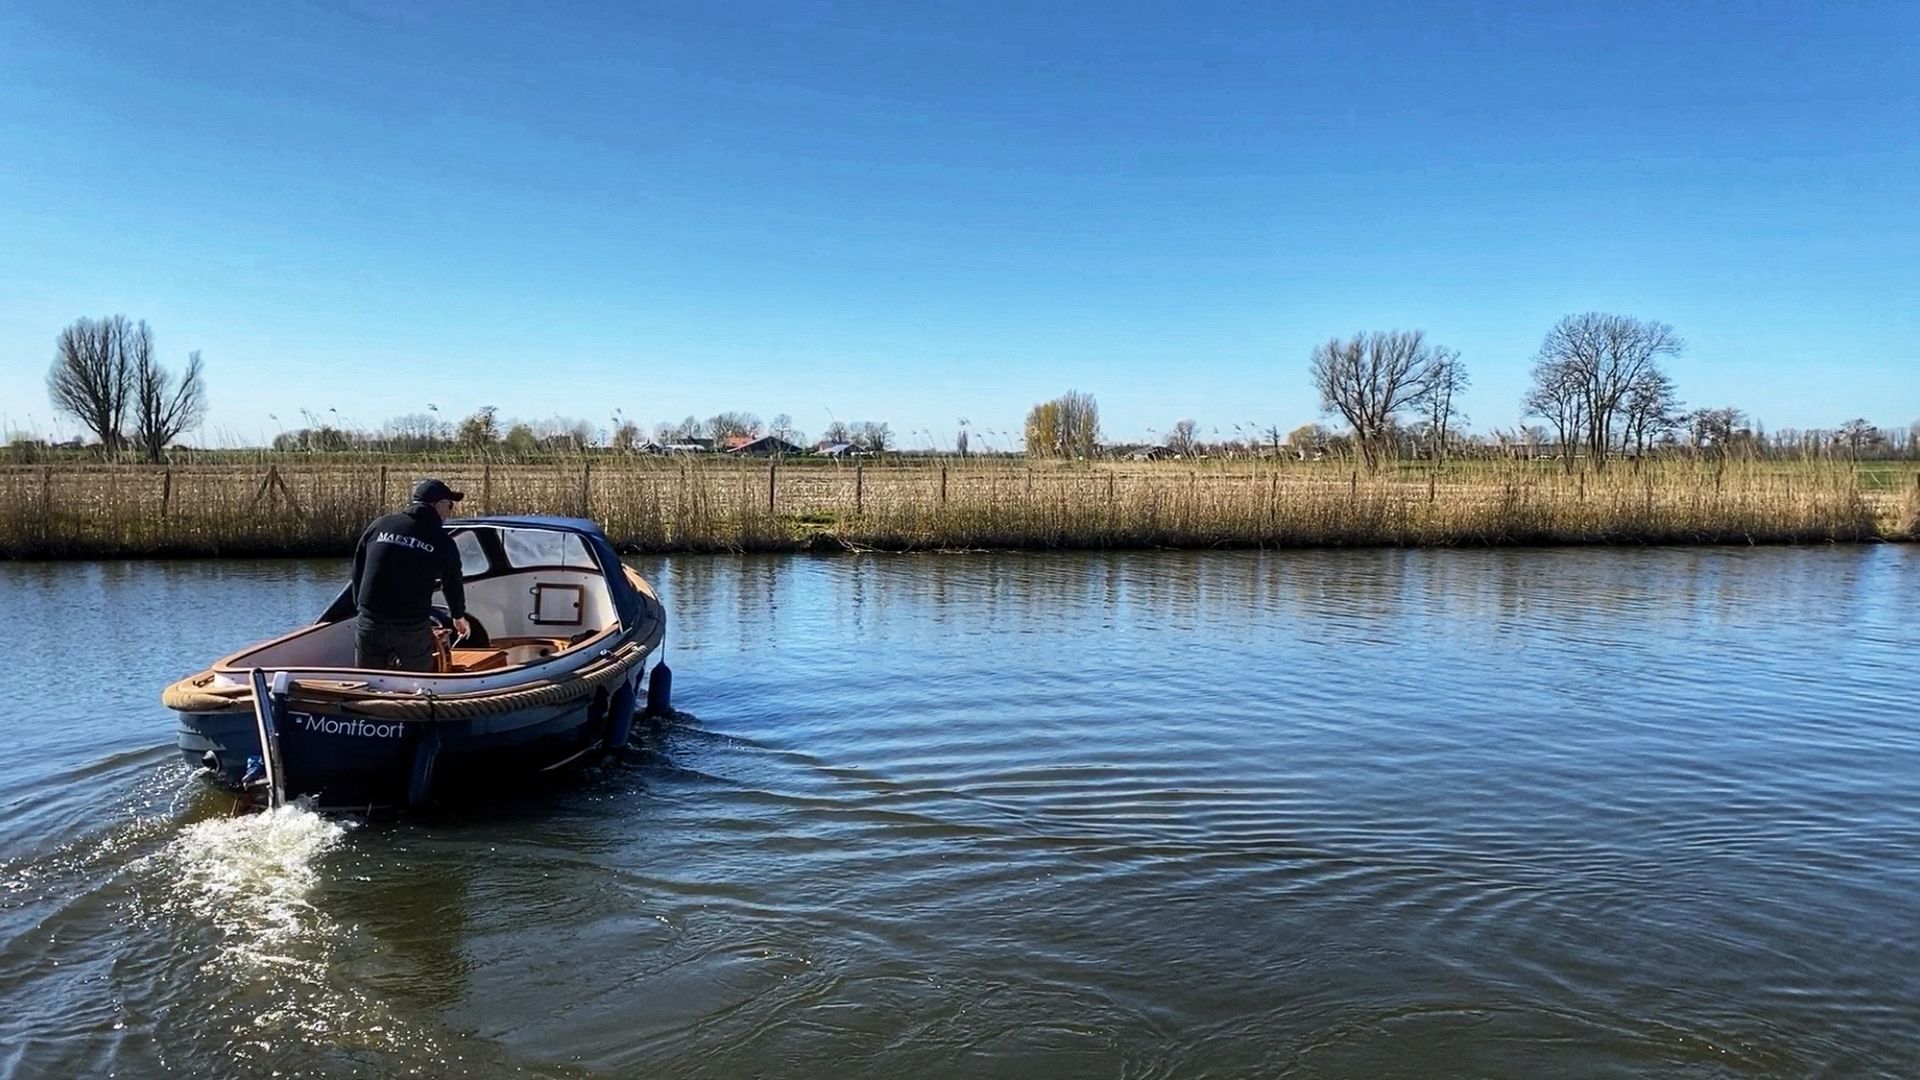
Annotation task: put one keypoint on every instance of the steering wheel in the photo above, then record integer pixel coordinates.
(476, 634)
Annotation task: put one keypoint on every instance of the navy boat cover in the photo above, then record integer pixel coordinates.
(626, 600)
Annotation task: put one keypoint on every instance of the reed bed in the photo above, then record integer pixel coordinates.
(297, 507)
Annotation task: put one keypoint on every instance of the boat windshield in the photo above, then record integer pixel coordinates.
(526, 548)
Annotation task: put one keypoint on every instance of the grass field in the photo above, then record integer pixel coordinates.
(297, 505)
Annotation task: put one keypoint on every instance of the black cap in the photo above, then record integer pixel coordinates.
(432, 491)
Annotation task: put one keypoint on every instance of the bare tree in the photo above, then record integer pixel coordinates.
(562, 433)
(583, 434)
(164, 408)
(627, 436)
(733, 425)
(1446, 381)
(1604, 356)
(92, 376)
(1651, 409)
(417, 431)
(872, 435)
(837, 434)
(1558, 396)
(1371, 378)
(1857, 434)
(1180, 439)
(1715, 430)
(1079, 424)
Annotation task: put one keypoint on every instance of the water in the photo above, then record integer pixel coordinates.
(1594, 813)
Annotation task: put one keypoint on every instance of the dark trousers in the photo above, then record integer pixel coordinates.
(406, 645)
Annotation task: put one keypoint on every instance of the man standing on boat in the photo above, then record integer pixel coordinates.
(400, 560)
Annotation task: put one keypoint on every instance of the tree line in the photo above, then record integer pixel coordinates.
(1598, 390)
(485, 430)
(107, 377)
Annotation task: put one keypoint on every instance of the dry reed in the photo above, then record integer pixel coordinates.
(291, 507)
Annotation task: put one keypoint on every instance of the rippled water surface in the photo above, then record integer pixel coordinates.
(1371, 814)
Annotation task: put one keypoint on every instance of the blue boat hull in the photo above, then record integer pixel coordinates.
(347, 762)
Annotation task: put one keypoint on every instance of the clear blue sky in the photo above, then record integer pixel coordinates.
(918, 212)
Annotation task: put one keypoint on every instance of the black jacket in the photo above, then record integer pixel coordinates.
(399, 560)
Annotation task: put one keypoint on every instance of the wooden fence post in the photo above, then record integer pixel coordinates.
(773, 481)
(943, 486)
(293, 504)
(383, 487)
(859, 487)
(275, 489)
(1433, 487)
(166, 492)
(586, 490)
(486, 489)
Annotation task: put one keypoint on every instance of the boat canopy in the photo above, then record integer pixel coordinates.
(627, 601)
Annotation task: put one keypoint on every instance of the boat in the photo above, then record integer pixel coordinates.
(552, 672)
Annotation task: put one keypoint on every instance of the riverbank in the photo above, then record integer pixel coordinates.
(664, 505)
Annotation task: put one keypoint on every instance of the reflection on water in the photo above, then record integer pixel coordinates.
(1305, 813)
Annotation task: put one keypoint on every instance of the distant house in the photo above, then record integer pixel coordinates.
(684, 448)
(764, 446)
(836, 450)
(1153, 453)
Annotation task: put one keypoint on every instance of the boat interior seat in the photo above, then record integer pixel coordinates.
(551, 645)
(330, 645)
(478, 659)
